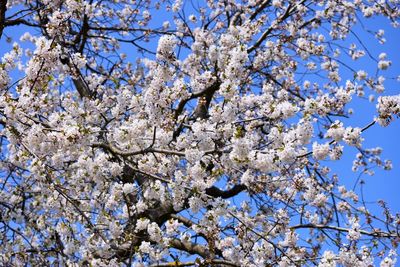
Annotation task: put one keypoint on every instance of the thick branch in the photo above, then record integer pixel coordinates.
(150, 149)
(16, 22)
(174, 264)
(3, 9)
(192, 263)
(216, 192)
(116, 150)
(207, 93)
(79, 82)
(188, 223)
(190, 248)
(83, 34)
(260, 9)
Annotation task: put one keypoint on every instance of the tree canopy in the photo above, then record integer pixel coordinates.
(189, 133)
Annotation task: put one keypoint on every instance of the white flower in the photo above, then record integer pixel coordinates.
(142, 224)
(145, 247)
(192, 18)
(361, 75)
(354, 231)
(304, 132)
(172, 226)
(290, 239)
(154, 232)
(193, 155)
(352, 136)
(390, 260)
(247, 178)
(382, 56)
(320, 151)
(128, 188)
(115, 229)
(195, 204)
(69, 248)
(336, 152)
(384, 64)
(336, 131)
(277, 3)
(166, 25)
(328, 259)
(177, 5)
(387, 105)
(285, 110)
(146, 14)
(319, 200)
(166, 45)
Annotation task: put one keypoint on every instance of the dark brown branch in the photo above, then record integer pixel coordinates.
(207, 93)
(215, 262)
(83, 33)
(16, 22)
(3, 9)
(216, 192)
(188, 223)
(174, 264)
(260, 9)
(79, 82)
(129, 29)
(190, 247)
(150, 149)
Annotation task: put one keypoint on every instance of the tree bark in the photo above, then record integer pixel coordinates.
(3, 9)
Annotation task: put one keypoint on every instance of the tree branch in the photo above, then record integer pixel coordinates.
(216, 192)
(3, 9)
(341, 229)
(190, 247)
(118, 151)
(208, 93)
(270, 29)
(221, 263)
(333, 141)
(260, 9)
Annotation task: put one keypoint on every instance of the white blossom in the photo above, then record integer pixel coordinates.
(352, 136)
(320, 151)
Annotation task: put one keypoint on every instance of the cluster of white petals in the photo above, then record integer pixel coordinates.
(387, 106)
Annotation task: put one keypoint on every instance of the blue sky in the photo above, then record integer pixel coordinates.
(384, 184)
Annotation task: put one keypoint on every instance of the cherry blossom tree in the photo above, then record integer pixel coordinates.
(158, 133)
